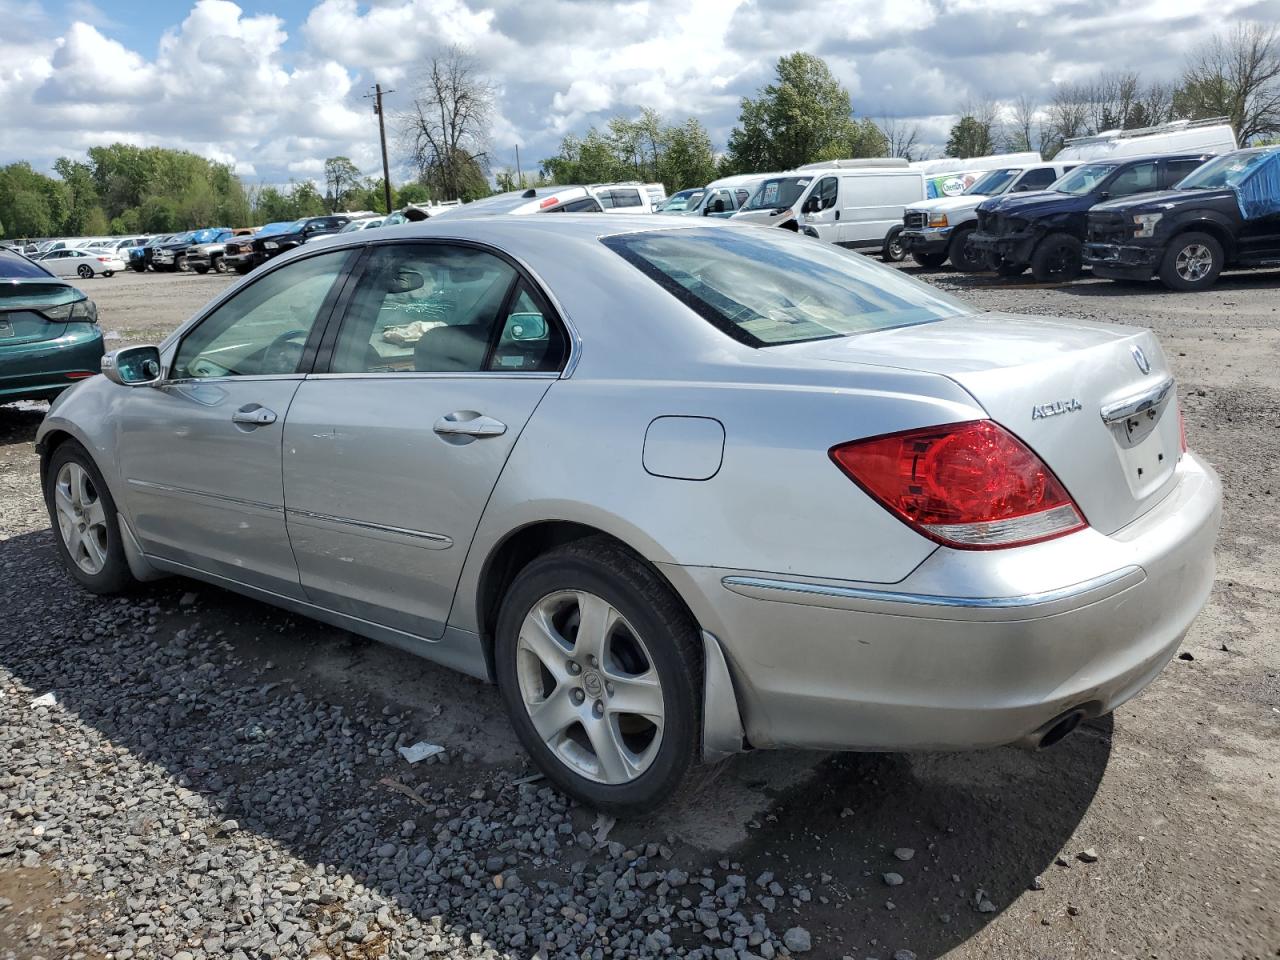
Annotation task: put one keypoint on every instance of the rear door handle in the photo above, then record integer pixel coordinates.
(254, 415)
(468, 423)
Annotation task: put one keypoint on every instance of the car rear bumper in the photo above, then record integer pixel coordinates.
(1122, 259)
(973, 649)
(42, 370)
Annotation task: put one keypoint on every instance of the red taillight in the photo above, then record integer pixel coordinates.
(79, 375)
(971, 485)
(549, 202)
(1182, 431)
(104, 259)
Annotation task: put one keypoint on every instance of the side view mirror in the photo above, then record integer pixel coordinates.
(527, 326)
(133, 366)
(1105, 195)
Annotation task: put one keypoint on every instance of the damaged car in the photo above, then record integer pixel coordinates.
(1225, 214)
(1046, 230)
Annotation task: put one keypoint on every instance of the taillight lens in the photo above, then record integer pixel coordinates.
(970, 485)
(1182, 431)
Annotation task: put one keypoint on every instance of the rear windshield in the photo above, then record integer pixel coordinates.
(29, 294)
(1230, 170)
(15, 265)
(765, 287)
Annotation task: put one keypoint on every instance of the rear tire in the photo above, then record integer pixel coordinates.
(652, 646)
(201, 270)
(931, 261)
(1192, 262)
(86, 525)
(1057, 259)
(893, 250)
(108, 273)
(963, 256)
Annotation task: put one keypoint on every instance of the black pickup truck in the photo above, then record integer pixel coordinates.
(272, 245)
(1225, 214)
(1045, 230)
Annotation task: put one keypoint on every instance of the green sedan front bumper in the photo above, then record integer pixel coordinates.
(42, 369)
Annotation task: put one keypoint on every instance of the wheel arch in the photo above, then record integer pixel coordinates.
(722, 732)
(1214, 229)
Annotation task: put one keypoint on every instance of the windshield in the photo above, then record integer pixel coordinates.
(1227, 171)
(777, 193)
(767, 287)
(682, 200)
(993, 183)
(1082, 180)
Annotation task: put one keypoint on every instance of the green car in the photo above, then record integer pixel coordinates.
(49, 336)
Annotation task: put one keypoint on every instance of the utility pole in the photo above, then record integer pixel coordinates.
(519, 175)
(382, 135)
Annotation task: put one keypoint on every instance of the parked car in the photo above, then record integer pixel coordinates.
(1046, 231)
(679, 489)
(681, 200)
(239, 253)
(49, 336)
(207, 253)
(85, 264)
(936, 230)
(139, 257)
(724, 197)
(557, 199)
(629, 196)
(364, 223)
(855, 207)
(174, 254)
(1224, 214)
(300, 232)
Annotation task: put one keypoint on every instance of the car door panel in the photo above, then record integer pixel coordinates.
(381, 508)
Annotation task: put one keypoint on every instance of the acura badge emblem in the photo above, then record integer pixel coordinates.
(1141, 360)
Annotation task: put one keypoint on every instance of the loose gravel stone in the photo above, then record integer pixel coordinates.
(797, 940)
(892, 879)
(904, 853)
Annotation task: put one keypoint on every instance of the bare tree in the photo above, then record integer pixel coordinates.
(1025, 109)
(447, 130)
(1236, 75)
(987, 114)
(900, 139)
(1068, 116)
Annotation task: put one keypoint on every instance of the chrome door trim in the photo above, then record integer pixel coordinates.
(434, 541)
(1148, 399)
(203, 494)
(440, 375)
(760, 588)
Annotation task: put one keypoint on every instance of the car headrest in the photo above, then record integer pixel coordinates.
(451, 349)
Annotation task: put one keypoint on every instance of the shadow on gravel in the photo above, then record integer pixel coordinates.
(289, 727)
(19, 421)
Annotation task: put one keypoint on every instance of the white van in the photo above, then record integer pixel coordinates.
(723, 197)
(1182, 136)
(858, 207)
(631, 196)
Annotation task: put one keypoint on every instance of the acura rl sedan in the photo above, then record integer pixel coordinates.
(679, 491)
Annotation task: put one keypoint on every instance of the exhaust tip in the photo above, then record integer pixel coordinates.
(1060, 729)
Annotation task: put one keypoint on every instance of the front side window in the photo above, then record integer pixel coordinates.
(826, 191)
(439, 308)
(1037, 179)
(1140, 178)
(1084, 179)
(261, 331)
(766, 287)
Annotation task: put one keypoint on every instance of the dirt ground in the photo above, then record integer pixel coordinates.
(1177, 793)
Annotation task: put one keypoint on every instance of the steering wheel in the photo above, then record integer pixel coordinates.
(283, 353)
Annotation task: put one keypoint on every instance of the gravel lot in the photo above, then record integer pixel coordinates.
(214, 778)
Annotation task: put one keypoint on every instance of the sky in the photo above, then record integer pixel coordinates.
(275, 88)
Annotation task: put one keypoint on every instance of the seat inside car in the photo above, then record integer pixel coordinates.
(451, 349)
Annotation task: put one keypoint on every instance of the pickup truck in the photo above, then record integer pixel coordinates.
(207, 253)
(1046, 230)
(938, 229)
(271, 245)
(1225, 214)
(173, 255)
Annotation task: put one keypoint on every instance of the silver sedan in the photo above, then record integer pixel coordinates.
(678, 490)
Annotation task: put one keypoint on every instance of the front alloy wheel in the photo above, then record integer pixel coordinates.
(85, 271)
(82, 518)
(1192, 262)
(590, 688)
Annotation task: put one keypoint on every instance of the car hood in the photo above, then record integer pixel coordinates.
(1036, 202)
(1163, 200)
(948, 204)
(207, 247)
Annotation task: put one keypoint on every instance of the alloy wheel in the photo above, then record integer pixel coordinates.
(82, 518)
(85, 271)
(590, 687)
(1194, 262)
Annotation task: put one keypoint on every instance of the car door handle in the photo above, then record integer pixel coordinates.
(466, 423)
(254, 415)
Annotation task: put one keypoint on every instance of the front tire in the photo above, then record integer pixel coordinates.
(962, 253)
(218, 265)
(180, 265)
(84, 271)
(600, 667)
(1057, 259)
(893, 250)
(1192, 262)
(86, 525)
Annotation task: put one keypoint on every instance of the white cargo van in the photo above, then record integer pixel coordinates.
(1181, 136)
(855, 207)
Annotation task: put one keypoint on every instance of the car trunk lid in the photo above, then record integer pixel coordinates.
(1095, 402)
(22, 311)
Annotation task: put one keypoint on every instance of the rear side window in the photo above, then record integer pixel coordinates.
(1175, 170)
(13, 265)
(626, 198)
(585, 205)
(766, 287)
